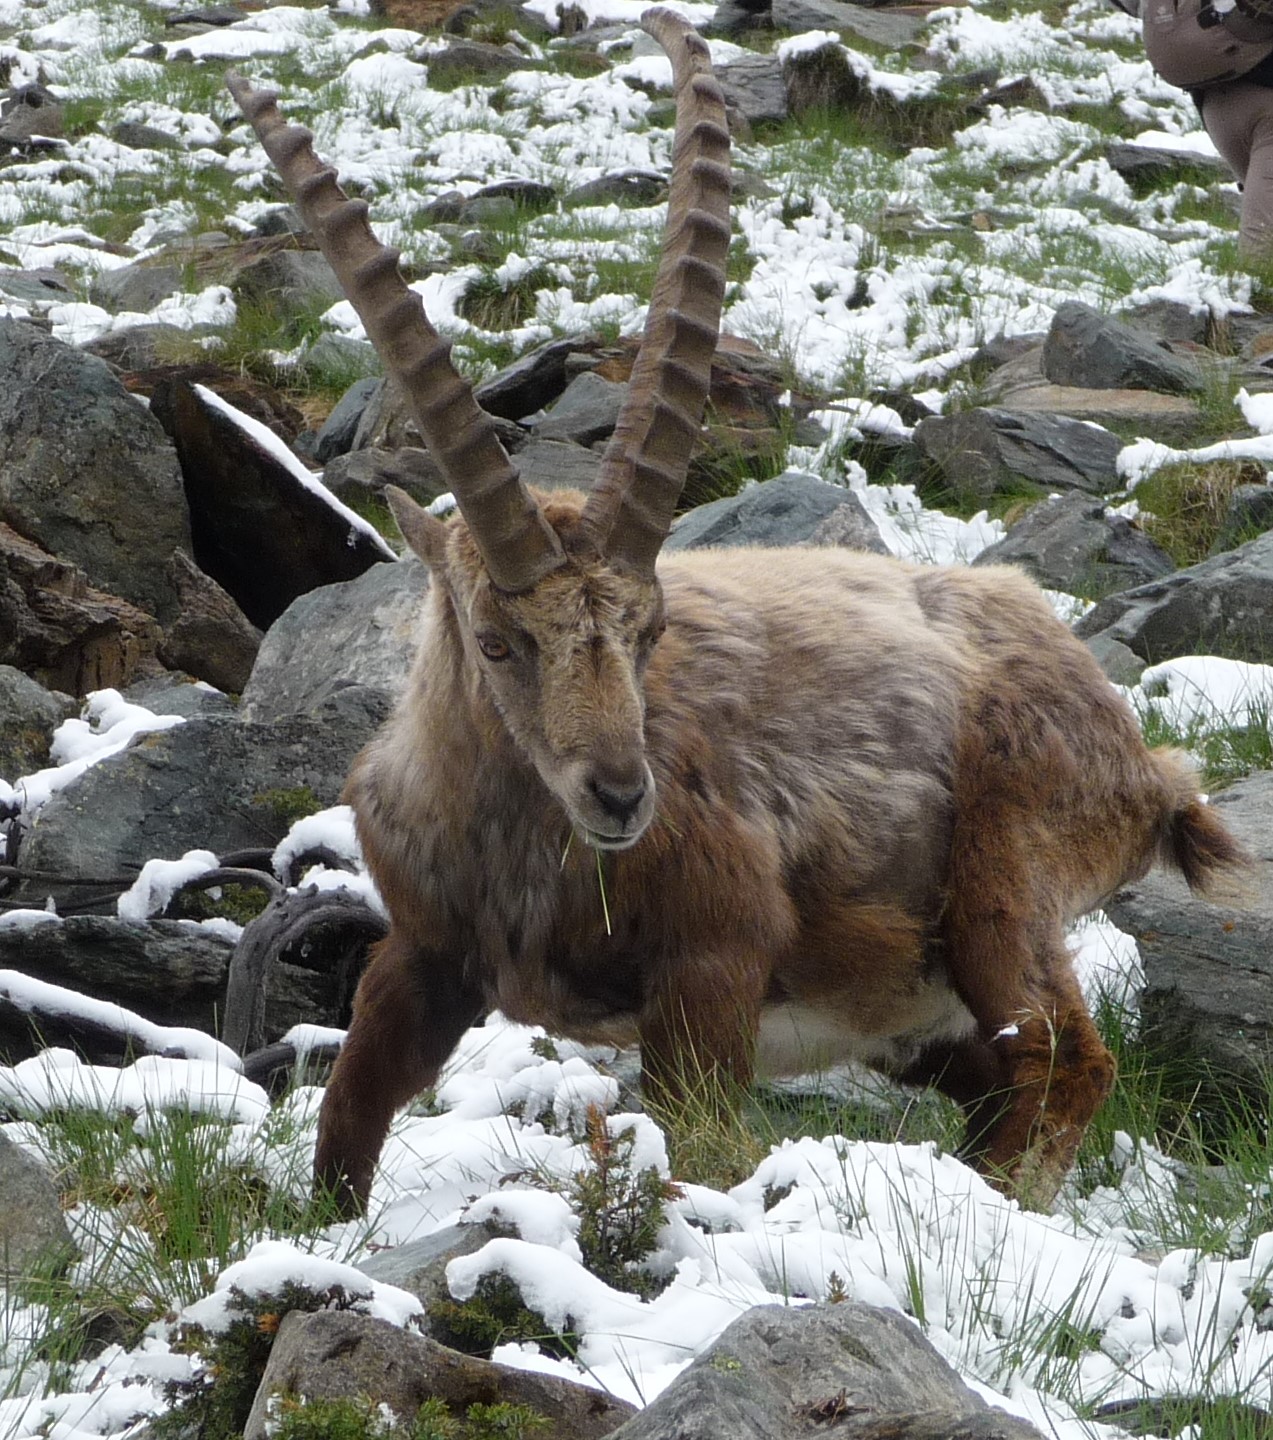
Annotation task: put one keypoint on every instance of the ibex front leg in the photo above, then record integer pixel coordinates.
(410, 1010)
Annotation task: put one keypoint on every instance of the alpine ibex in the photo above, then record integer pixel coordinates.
(846, 806)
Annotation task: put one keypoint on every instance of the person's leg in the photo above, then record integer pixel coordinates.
(1239, 119)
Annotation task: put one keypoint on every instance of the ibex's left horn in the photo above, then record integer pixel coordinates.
(516, 542)
(643, 472)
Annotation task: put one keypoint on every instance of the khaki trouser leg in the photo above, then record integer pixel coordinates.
(1239, 119)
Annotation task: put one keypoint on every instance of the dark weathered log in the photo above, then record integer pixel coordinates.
(274, 1066)
(327, 931)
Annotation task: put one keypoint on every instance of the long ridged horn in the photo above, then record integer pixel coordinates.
(516, 542)
(645, 465)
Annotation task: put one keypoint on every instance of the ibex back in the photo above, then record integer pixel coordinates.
(846, 806)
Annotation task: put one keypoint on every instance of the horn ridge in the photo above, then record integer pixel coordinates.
(517, 544)
(633, 502)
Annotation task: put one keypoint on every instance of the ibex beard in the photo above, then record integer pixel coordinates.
(845, 807)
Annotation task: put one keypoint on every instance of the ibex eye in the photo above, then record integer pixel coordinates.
(493, 647)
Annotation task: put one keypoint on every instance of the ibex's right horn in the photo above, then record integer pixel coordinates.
(516, 542)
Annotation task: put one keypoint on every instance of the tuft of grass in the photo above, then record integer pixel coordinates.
(162, 1201)
(1185, 504)
(1227, 749)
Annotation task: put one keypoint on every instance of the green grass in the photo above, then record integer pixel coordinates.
(165, 1200)
(1186, 504)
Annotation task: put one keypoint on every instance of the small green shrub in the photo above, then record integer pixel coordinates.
(297, 1419)
(216, 1402)
(620, 1209)
(496, 1314)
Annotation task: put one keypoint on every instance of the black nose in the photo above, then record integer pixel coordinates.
(620, 802)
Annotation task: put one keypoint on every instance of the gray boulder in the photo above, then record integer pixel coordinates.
(213, 784)
(337, 435)
(1069, 543)
(34, 1239)
(533, 382)
(332, 1355)
(360, 634)
(983, 451)
(28, 716)
(419, 1266)
(881, 26)
(1207, 1005)
(463, 61)
(211, 639)
(169, 694)
(754, 87)
(793, 509)
(361, 475)
(1219, 607)
(558, 465)
(587, 411)
(619, 187)
(291, 282)
(1152, 165)
(139, 286)
(85, 471)
(1249, 513)
(851, 1370)
(1088, 349)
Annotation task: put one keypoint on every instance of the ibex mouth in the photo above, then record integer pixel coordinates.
(608, 842)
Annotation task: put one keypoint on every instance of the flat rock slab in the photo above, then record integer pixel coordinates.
(848, 1370)
(1019, 384)
(333, 1355)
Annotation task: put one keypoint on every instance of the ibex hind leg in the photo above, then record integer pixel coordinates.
(1049, 1075)
(410, 1009)
(1060, 1074)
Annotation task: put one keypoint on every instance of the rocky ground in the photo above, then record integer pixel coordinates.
(161, 535)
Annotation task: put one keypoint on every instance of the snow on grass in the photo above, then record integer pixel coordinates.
(209, 1083)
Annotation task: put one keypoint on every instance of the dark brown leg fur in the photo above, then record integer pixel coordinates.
(410, 1010)
(698, 1030)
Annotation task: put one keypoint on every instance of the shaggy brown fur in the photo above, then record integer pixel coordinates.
(847, 807)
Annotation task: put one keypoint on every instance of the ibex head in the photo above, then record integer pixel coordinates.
(557, 604)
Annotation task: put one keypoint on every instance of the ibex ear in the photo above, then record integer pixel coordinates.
(425, 533)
